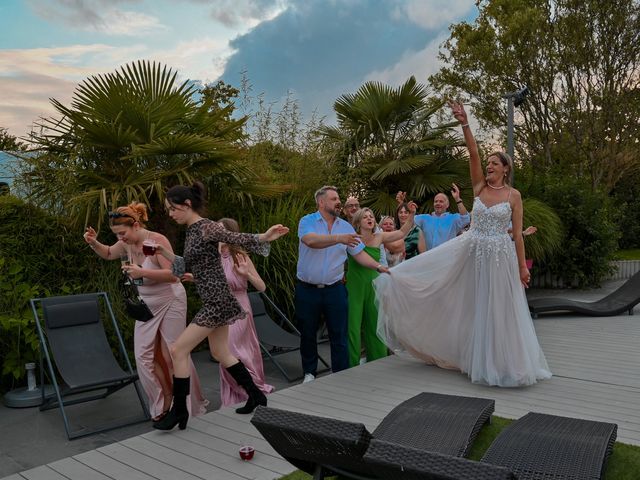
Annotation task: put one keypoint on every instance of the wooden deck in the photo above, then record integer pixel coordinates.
(596, 376)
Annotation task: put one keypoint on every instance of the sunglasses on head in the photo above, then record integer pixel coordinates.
(120, 215)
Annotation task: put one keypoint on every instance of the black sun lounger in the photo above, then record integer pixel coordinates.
(622, 300)
(535, 447)
(325, 447)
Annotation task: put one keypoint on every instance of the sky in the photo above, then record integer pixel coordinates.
(315, 49)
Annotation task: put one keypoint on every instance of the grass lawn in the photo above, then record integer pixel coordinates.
(624, 464)
(631, 254)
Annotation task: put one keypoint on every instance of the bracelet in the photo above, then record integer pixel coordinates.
(459, 201)
(378, 268)
(465, 125)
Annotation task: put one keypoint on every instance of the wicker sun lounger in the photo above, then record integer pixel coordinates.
(324, 447)
(622, 300)
(536, 447)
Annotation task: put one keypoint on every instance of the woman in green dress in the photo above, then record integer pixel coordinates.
(414, 242)
(363, 315)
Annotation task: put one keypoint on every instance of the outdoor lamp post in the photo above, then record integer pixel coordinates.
(514, 99)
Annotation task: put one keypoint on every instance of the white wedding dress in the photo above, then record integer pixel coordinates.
(462, 306)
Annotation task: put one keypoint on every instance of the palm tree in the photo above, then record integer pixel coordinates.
(548, 238)
(128, 135)
(385, 142)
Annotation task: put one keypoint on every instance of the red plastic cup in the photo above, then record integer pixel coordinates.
(246, 452)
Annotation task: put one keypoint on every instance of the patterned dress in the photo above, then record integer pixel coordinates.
(202, 259)
(411, 242)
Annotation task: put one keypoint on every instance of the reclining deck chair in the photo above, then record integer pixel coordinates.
(273, 337)
(535, 447)
(73, 339)
(621, 300)
(325, 447)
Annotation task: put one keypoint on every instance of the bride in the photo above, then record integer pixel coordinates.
(462, 305)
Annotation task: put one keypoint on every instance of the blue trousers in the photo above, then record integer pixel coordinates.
(310, 304)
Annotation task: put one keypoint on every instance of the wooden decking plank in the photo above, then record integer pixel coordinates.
(265, 457)
(326, 399)
(237, 438)
(542, 393)
(186, 461)
(211, 455)
(71, 468)
(110, 467)
(43, 472)
(145, 463)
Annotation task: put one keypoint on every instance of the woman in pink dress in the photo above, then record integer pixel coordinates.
(166, 298)
(243, 340)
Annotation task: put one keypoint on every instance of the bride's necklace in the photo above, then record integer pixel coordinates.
(497, 188)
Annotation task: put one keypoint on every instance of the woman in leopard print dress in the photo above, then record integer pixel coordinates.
(201, 264)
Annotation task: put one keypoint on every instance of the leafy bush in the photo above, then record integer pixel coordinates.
(278, 269)
(627, 196)
(40, 255)
(591, 232)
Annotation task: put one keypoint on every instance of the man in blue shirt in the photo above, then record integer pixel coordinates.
(441, 226)
(325, 239)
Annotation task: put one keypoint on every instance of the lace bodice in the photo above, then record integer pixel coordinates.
(490, 221)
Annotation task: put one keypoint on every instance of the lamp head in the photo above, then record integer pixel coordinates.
(520, 96)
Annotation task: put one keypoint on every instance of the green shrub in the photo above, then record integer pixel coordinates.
(591, 234)
(40, 255)
(278, 270)
(627, 197)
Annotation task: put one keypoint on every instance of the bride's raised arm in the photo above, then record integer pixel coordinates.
(477, 176)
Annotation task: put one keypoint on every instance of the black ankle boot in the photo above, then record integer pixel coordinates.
(243, 378)
(178, 415)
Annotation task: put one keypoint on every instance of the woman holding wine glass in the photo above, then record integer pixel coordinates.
(165, 296)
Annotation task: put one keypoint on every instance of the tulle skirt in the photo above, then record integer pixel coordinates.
(462, 306)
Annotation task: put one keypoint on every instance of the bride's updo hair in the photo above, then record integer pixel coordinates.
(129, 214)
(196, 194)
(507, 161)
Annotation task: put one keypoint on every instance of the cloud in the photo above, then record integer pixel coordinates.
(421, 64)
(98, 16)
(199, 59)
(30, 77)
(437, 14)
(234, 13)
(26, 98)
(322, 49)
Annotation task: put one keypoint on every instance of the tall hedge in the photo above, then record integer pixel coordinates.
(41, 255)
